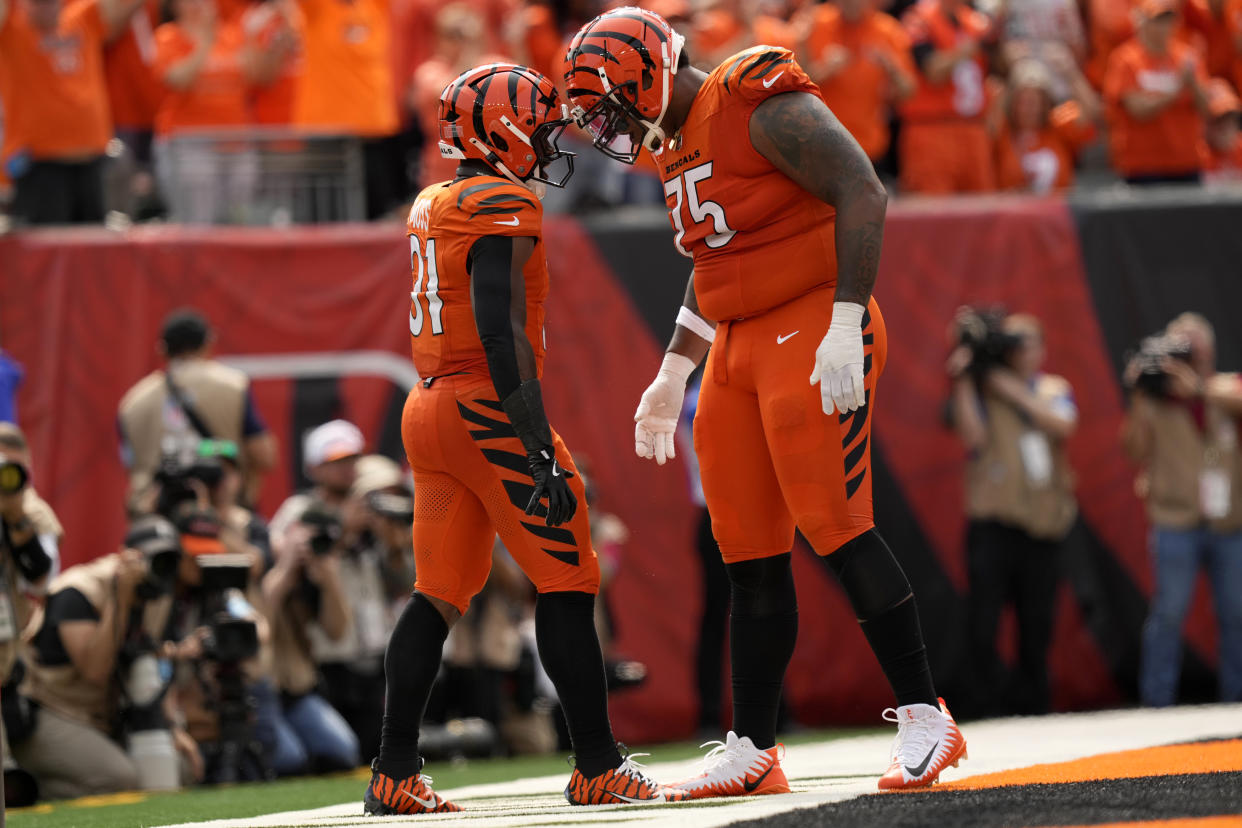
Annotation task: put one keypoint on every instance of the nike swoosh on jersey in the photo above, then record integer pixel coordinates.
(918, 771)
(426, 803)
(781, 339)
(767, 84)
(749, 785)
(512, 222)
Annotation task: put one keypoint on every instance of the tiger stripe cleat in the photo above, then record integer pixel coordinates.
(387, 796)
(626, 784)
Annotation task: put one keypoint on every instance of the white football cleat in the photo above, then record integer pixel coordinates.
(735, 767)
(928, 741)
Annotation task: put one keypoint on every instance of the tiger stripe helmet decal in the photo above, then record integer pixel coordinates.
(619, 72)
(510, 117)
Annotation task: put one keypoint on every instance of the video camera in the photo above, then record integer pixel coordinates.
(230, 639)
(1151, 355)
(982, 329)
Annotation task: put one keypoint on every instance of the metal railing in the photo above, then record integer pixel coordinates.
(261, 176)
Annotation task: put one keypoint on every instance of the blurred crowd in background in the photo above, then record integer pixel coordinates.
(278, 111)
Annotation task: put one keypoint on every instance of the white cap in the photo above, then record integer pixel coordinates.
(375, 473)
(331, 441)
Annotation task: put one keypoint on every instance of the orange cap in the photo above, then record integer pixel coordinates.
(197, 545)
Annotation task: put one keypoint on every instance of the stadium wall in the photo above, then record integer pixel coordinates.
(81, 310)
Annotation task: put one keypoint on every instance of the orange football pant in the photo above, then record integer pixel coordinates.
(769, 457)
(472, 482)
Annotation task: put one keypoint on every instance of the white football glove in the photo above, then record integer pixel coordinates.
(660, 409)
(839, 360)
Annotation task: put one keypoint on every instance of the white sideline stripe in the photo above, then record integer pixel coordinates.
(397, 368)
(996, 745)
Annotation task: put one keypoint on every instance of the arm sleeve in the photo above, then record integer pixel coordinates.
(488, 264)
(252, 420)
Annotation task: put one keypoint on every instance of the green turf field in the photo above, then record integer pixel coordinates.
(133, 810)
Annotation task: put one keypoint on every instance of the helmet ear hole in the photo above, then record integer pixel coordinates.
(498, 141)
(648, 80)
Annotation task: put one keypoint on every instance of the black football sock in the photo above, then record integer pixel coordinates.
(888, 614)
(410, 666)
(570, 652)
(763, 628)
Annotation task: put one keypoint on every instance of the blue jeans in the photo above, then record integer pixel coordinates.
(285, 754)
(322, 732)
(1178, 555)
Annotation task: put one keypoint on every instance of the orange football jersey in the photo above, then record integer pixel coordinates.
(444, 223)
(756, 237)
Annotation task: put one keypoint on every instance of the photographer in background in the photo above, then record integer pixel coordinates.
(304, 595)
(1182, 429)
(195, 398)
(1014, 421)
(378, 561)
(91, 676)
(29, 536)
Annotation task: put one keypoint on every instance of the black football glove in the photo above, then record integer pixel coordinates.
(552, 480)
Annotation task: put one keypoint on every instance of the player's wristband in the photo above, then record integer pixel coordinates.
(696, 324)
(847, 314)
(524, 408)
(678, 366)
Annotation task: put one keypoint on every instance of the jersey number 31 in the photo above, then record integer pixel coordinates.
(425, 265)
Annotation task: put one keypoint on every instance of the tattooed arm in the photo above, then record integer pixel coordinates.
(799, 134)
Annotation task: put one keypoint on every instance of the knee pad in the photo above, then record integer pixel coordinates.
(761, 587)
(870, 575)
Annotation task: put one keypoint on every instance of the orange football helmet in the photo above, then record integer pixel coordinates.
(508, 117)
(619, 70)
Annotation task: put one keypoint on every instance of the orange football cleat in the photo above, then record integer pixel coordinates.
(624, 784)
(386, 796)
(735, 767)
(928, 741)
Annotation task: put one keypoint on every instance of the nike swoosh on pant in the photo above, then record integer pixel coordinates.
(750, 786)
(918, 771)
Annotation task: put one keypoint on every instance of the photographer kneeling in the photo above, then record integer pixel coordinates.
(303, 592)
(1014, 421)
(1183, 429)
(102, 623)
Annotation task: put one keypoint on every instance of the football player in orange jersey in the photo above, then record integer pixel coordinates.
(783, 216)
(478, 440)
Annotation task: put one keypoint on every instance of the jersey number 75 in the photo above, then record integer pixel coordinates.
(700, 211)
